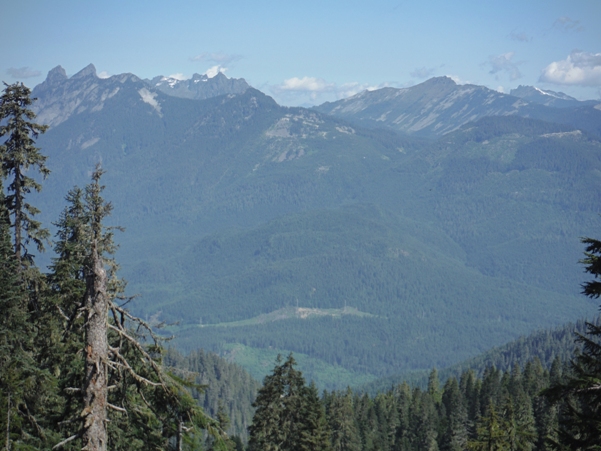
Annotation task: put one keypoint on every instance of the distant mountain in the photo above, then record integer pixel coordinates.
(60, 97)
(236, 207)
(439, 106)
(549, 98)
(199, 86)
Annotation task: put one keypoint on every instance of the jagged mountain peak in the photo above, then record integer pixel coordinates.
(60, 97)
(56, 75)
(88, 71)
(432, 108)
(200, 86)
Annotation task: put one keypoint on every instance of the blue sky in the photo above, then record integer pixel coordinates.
(305, 53)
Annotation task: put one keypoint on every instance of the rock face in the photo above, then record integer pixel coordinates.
(199, 86)
(435, 107)
(548, 97)
(60, 97)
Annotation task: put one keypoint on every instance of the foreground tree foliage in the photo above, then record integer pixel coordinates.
(579, 396)
(18, 154)
(119, 376)
(77, 370)
(27, 378)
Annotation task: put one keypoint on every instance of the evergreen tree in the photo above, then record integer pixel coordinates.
(579, 394)
(403, 401)
(434, 386)
(387, 415)
(424, 427)
(489, 432)
(344, 431)
(315, 434)
(120, 368)
(456, 420)
(18, 154)
(287, 418)
(25, 383)
(16, 361)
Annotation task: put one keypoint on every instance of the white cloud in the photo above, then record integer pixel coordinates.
(458, 80)
(504, 63)
(103, 74)
(217, 57)
(579, 68)
(23, 72)
(179, 76)
(312, 90)
(211, 72)
(501, 89)
(350, 89)
(310, 84)
(567, 24)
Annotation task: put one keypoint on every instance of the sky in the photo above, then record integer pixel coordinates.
(306, 53)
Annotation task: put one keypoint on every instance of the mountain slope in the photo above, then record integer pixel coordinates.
(548, 97)
(439, 106)
(544, 345)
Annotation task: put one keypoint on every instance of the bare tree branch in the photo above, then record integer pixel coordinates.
(64, 442)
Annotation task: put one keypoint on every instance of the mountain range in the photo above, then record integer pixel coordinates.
(420, 226)
(439, 106)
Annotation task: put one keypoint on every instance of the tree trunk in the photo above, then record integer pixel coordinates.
(179, 444)
(95, 384)
(8, 407)
(18, 208)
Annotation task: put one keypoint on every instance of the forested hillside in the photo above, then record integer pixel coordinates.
(225, 387)
(546, 346)
(537, 408)
(237, 207)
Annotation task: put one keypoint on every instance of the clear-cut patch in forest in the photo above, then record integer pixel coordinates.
(293, 312)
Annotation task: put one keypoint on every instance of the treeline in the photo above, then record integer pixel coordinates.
(515, 410)
(456, 416)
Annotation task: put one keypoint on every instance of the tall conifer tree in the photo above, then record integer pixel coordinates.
(580, 394)
(119, 375)
(18, 154)
(288, 415)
